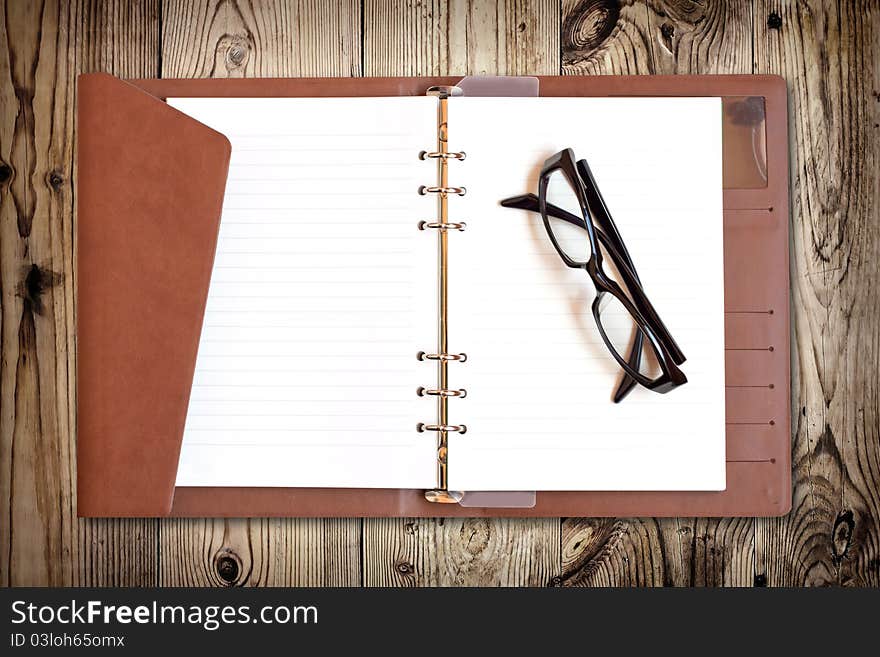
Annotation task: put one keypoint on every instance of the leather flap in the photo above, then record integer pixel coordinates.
(149, 193)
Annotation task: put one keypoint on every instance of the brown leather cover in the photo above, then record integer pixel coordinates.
(149, 192)
(756, 301)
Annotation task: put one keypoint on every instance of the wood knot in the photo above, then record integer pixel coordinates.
(774, 21)
(586, 27)
(232, 52)
(5, 173)
(55, 180)
(236, 55)
(760, 580)
(404, 568)
(667, 33)
(36, 281)
(227, 566)
(842, 535)
(555, 581)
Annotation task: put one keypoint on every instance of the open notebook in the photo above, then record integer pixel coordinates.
(324, 290)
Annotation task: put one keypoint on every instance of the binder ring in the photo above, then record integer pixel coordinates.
(460, 155)
(460, 191)
(446, 357)
(441, 392)
(440, 225)
(421, 427)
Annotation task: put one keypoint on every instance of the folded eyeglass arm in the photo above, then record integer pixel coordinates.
(617, 250)
(530, 202)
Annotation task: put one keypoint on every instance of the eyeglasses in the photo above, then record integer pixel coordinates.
(628, 323)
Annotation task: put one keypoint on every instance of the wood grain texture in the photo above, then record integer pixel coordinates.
(827, 51)
(460, 552)
(603, 37)
(43, 46)
(443, 38)
(246, 39)
(657, 552)
(451, 37)
(830, 56)
(261, 552)
(676, 36)
(220, 38)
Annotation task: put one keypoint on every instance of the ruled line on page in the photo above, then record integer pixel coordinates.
(539, 375)
(319, 297)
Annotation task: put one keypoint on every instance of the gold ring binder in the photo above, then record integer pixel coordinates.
(436, 392)
(443, 189)
(460, 155)
(421, 427)
(452, 225)
(442, 357)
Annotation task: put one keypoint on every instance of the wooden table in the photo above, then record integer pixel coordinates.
(829, 52)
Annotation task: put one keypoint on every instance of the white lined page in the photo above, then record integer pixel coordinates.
(320, 297)
(539, 379)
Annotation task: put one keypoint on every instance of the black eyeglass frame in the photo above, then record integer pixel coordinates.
(594, 211)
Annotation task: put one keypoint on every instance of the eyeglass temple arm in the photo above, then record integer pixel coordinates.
(530, 202)
(601, 215)
(604, 221)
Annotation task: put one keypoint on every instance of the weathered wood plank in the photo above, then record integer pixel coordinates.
(43, 46)
(605, 37)
(624, 552)
(119, 37)
(828, 51)
(217, 38)
(657, 552)
(602, 37)
(451, 37)
(443, 38)
(242, 39)
(829, 54)
(676, 36)
(117, 552)
(260, 552)
(700, 37)
(460, 552)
